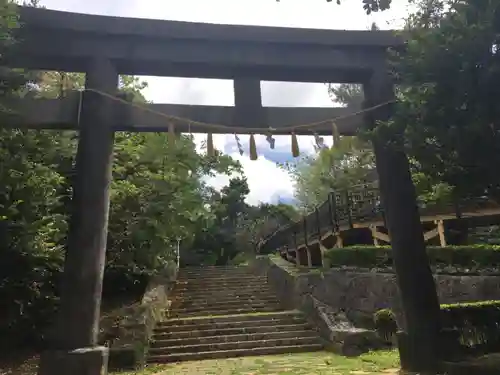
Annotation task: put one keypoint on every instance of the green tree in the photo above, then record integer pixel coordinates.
(431, 189)
(348, 164)
(260, 222)
(446, 110)
(350, 95)
(214, 241)
(157, 196)
(369, 5)
(447, 104)
(31, 223)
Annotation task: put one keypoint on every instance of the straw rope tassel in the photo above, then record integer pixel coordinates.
(295, 146)
(231, 129)
(210, 145)
(335, 133)
(253, 148)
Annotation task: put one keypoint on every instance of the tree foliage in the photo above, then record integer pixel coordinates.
(158, 197)
(447, 108)
(235, 228)
(349, 163)
(369, 5)
(447, 113)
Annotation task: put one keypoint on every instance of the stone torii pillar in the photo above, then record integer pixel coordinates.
(248, 109)
(417, 289)
(73, 347)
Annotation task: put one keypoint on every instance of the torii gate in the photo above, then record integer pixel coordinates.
(104, 47)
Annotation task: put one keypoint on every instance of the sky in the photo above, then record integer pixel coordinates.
(267, 182)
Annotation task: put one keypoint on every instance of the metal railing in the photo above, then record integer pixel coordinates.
(358, 206)
(339, 212)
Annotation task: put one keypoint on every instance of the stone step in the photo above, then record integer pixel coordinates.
(228, 289)
(208, 299)
(167, 358)
(208, 330)
(205, 268)
(240, 324)
(215, 271)
(185, 292)
(228, 311)
(236, 345)
(263, 336)
(285, 317)
(228, 282)
(218, 276)
(217, 295)
(223, 312)
(226, 302)
(220, 283)
(215, 276)
(220, 279)
(227, 325)
(235, 304)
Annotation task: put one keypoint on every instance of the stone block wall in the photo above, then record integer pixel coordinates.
(360, 294)
(134, 324)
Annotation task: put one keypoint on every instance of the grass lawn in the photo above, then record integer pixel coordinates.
(319, 363)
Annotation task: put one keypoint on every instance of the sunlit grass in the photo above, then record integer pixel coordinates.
(321, 363)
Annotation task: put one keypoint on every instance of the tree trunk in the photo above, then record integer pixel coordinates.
(416, 283)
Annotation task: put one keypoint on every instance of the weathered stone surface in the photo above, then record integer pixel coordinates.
(84, 361)
(335, 327)
(129, 330)
(355, 341)
(360, 294)
(198, 49)
(125, 357)
(224, 301)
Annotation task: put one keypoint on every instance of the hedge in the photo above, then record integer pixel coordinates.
(468, 329)
(470, 257)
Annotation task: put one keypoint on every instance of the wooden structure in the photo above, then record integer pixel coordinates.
(356, 216)
(104, 47)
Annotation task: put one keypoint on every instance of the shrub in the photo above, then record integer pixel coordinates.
(475, 326)
(467, 328)
(29, 291)
(385, 324)
(467, 257)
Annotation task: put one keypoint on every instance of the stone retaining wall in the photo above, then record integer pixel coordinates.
(135, 324)
(359, 294)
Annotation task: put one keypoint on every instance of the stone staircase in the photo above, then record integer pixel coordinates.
(223, 312)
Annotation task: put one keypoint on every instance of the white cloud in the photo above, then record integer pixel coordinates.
(317, 14)
(265, 179)
(227, 143)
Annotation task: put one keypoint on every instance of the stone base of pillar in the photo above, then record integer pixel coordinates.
(83, 361)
